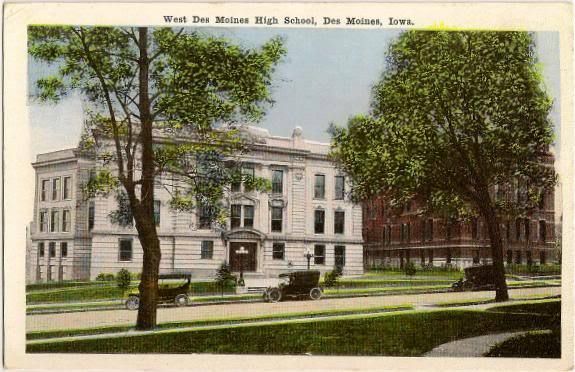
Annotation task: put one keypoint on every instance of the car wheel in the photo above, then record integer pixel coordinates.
(181, 300)
(133, 302)
(315, 293)
(274, 295)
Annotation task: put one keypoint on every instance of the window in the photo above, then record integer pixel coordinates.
(236, 183)
(542, 257)
(518, 229)
(319, 254)
(430, 255)
(339, 255)
(527, 224)
(44, 190)
(157, 208)
(388, 235)
(319, 221)
(277, 182)
(41, 249)
(338, 222)
(529, 258)
(518, 259)
(63, 249)
(542, 201)
(427, 230)
(125, 250)
(236, 216)
(54, 221)
(339, 187)
(508, 230)
(474, 228)
(91, 215)
(55, 189)
(278, 251)
(205, 217)
(67, 188)
(403, 232)
(207, 249)
(476, 256)
(52, 249)
(319, 187)
(277, 219)
(66, 220)
(542, 231)
(509, 259)
(248, 216)
(43, 225)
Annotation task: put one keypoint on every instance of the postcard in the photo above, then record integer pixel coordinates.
(338, 186)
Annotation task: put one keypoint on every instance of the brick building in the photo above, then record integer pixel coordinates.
(393, 237)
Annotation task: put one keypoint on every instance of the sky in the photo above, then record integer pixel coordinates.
(325, 77)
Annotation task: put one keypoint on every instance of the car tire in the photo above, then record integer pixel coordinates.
(315, 293)
(181, 300)
(274, 295)
(133, 303)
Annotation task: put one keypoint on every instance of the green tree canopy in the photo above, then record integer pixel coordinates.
(454, 116)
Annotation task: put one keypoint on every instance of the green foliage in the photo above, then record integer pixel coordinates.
(105, 277)
(552, 269)
(123, 279)
(224, 277)
(198, 87)
(409, 269)
(330, 278)
(474, 98)
(122, 216)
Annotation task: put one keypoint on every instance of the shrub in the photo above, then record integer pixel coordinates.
(330, 278)
(105, 277)
(224, 276)
(409, 269)
(123, 279)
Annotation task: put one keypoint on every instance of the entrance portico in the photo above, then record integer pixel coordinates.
(251, 240)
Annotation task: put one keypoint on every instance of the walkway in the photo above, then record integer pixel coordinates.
(471, 347)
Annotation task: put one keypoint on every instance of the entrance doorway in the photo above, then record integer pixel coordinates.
(248, 260)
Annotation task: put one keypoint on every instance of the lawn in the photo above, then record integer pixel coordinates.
(538, 344)
(236, 320)
(410, 333)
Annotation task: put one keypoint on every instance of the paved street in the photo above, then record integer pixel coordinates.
(91, 319)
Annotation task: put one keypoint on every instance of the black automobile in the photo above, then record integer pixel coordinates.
(477, 278)
(296, 284)
(172, 289)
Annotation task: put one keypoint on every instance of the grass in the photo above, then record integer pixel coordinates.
(107, 291)
(551, 307)
(538, 344)
(410, 333)
(488, 300)
(311, 314)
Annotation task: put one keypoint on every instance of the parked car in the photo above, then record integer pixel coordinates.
(296, 284)
(172, 289)
(476, 278)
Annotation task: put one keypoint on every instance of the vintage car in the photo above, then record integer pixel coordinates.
(477, 278)
(172, 289)
(296, 284)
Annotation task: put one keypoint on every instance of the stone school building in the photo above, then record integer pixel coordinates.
(307, 211)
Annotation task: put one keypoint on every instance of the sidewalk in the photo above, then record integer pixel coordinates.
(471, 347)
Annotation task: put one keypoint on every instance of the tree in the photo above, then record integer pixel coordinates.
(455, 117)
(159, 98)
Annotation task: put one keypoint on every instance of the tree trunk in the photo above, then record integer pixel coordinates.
(494, 230)
(144, 213)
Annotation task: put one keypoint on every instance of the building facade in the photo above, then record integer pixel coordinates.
(307, 211)
(394, 237)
